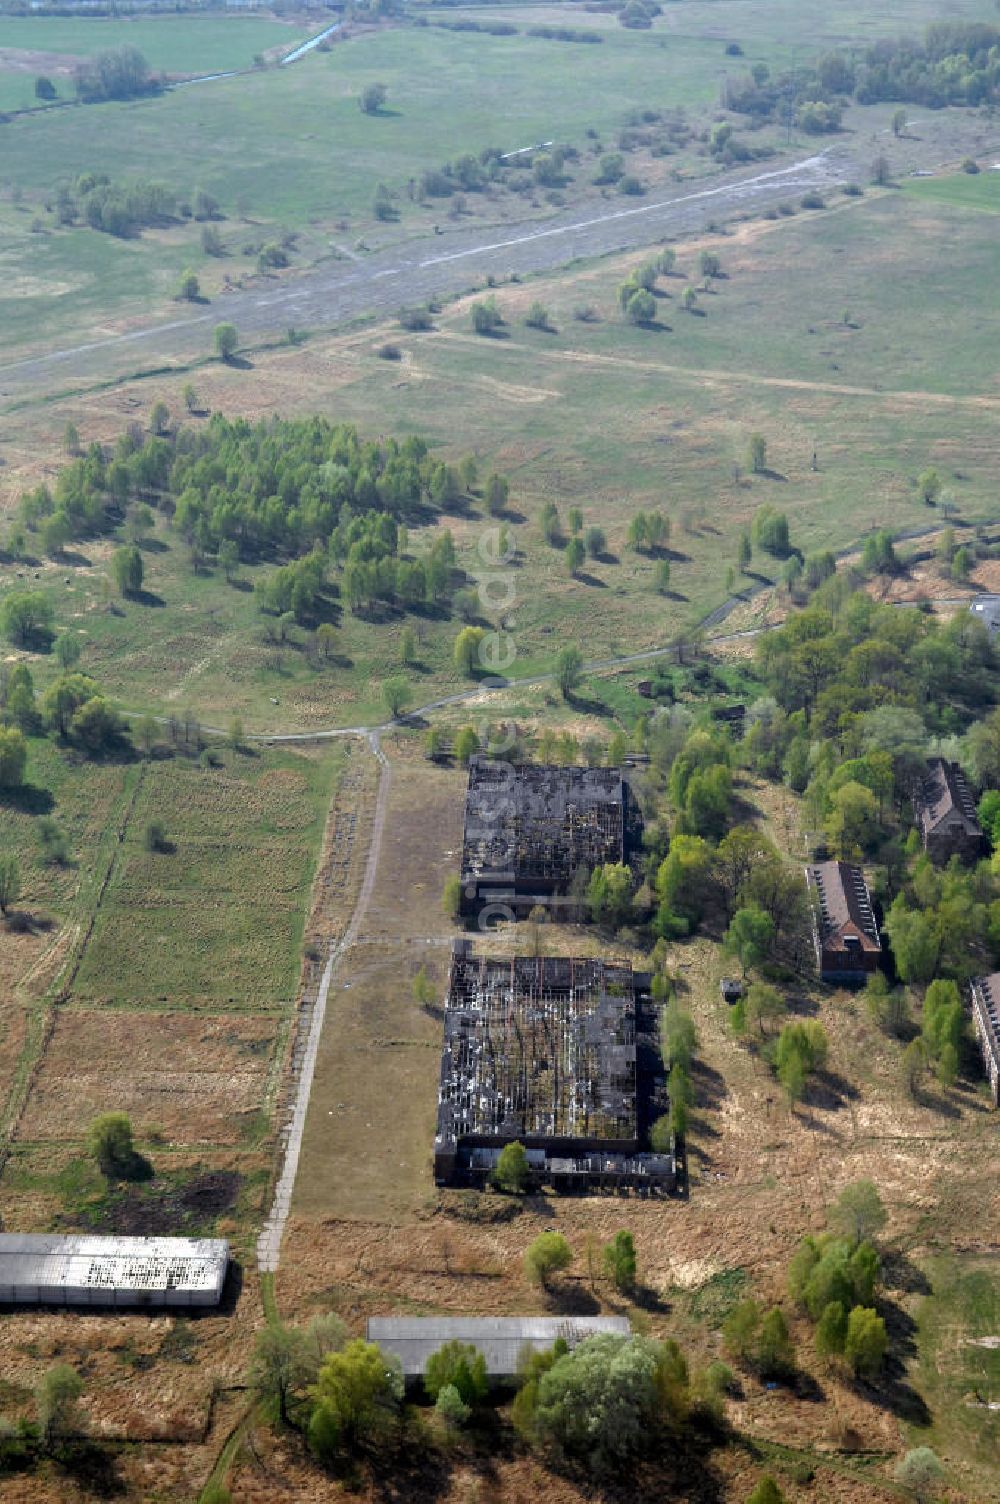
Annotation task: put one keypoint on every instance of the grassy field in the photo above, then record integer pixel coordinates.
(601, 415)
(170, 44)
(960, 190)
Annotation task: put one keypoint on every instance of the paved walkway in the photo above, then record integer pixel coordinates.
(269, 1241)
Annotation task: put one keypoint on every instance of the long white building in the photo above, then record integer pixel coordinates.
(52, 1270)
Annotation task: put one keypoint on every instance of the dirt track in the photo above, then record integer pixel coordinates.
(410, 274)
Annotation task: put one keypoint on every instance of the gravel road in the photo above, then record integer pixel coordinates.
(411, 273)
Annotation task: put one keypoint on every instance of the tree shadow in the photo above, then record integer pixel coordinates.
(585, 706)
(146, 598)
(28, 798)
(572, 1298)
(584, 578)
(23, 922)
(150, 545)
(769, 474)
(72, 558)
(93, 1468)
(239, 362)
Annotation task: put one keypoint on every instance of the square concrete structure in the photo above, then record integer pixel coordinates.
(51, 1270)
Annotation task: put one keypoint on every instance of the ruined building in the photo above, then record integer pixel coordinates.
(946, 814)
(845, 934)
(557, 1054)
(986, 1018)
(531, 832)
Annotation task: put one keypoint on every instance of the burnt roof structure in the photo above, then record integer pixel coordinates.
(529, 830)
(542, 1050)
(845, 932)
(946, 812)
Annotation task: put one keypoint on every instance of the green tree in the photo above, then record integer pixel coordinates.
(486, 316)
(53, 841)
(497, 494)
(372, 98)
(13, 757)
(226, 341)
(575, 520)
(745, 553)
(921, 1472)
(128, 569)
(740, 1330)
(466, 743)
(466, 650)
(27, 617)
(595, 542)
(619, 1261)
(898, 121)
(866, 1342)
(396, 694)
(663, 577)
(766, 1492)
(189, 397)
(549, 1254)
(360, 1390)
(775, 1356)
(424, 991)
(434, 743)
(56, 1402)
(709, 265)
(575, 554)
(451, 1408)
(451, 897)
(280, 1367)
(929, 486)
(109, 1140)
(750, 937)
(45, 89)
(763, 1005)
(537, 316)
(408, 646)
(568, 670)
(459, 1366)
(758, 453)
(609, 894)
(858, 1212)
(512, 1172)
(831, 1330)
(641, 307)
(10, 881)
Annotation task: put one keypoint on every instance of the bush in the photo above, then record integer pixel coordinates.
(512, 1172)
(459, 1367)
(549, 1254)
(812, 201)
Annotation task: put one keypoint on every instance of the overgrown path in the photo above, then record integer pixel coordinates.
(269, 1241)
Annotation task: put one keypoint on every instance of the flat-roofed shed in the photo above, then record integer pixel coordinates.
(52, 1270)
(501, 1339)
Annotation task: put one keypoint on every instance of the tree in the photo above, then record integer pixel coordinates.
(766, 1492)
(359, 1389)
(709, 265)
(486, 316)
(689, 300)
(929, 486)
(128, 569)
(763, 1005)
(831, 1330)
(57, 530)
(466, 650)
(549, 1254)
(53, 841)
(397, 694)
(663, 577)
(750, 937)
(775, 1354)
(10, 881)
(56, 1401)
(866, 1342)
(537, 316)
(858, 1212)
(226, 341)
(920, 1472)
(27, 617)
(497, 493)
(451, 897)
(189, 397)
(758, 453)
(424, 991)
(457, 1365)
(189, 288)
(898, 122)
(881, 174)
(641, 307)
(13, 757)
(620, 1262)
(466, 743)
(407, 646)
(568, 670)
(575, 554)
(595, 542)
(280, 1367)
(451, 1408)
(44, 87)
(434, 743)
(512, 1172)
(745, 553)
(740, 1330)
(609, 894)
(372, 98)
(109, 1140)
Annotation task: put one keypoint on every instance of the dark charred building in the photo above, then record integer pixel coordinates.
(530, 832)
(845, 933)
(549, 1052)
(986, 1018)
(946, 814)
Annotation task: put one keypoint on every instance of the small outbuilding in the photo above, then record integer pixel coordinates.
(946, 813)
(52, 1270)
(501, 1339)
